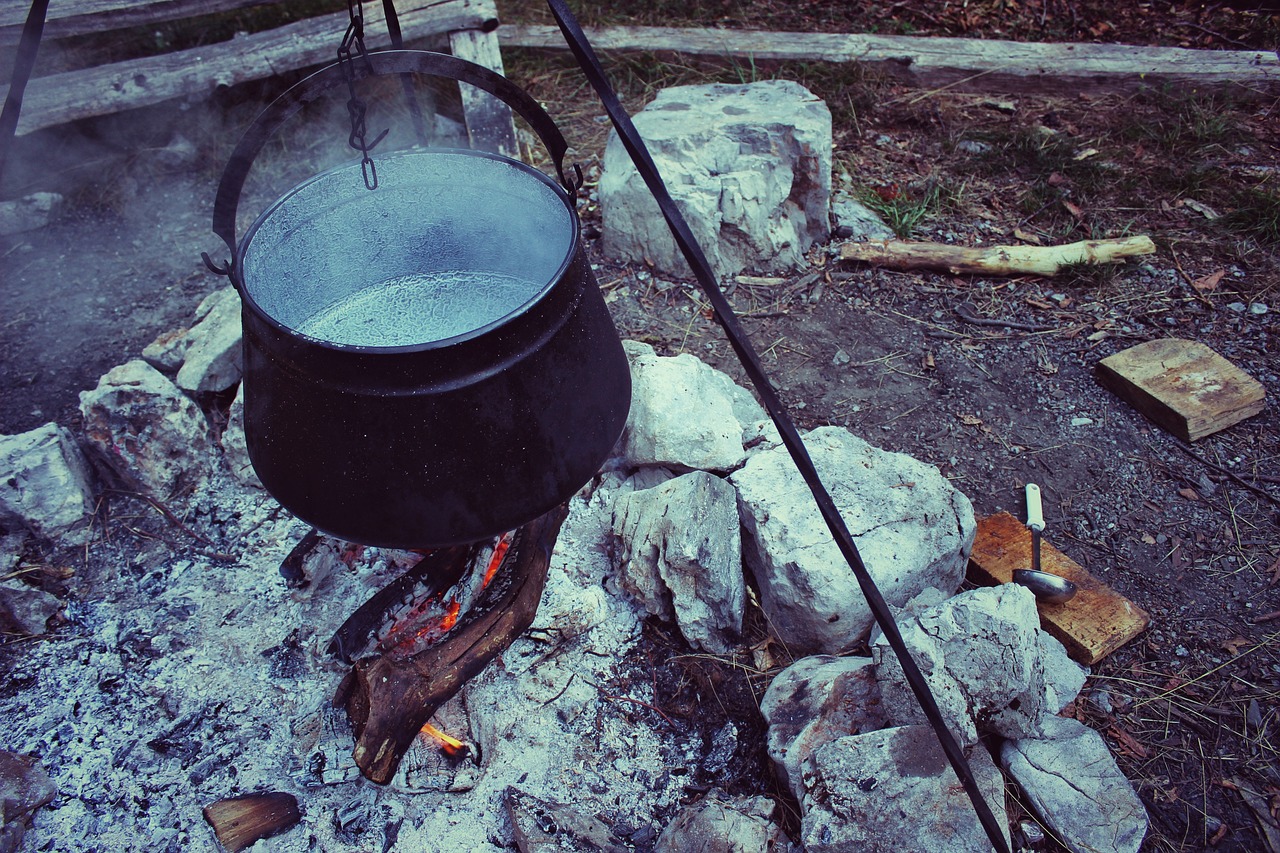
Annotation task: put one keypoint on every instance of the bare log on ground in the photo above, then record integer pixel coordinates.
(974, 65)
(995, 260)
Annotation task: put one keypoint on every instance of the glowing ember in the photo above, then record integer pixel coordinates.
(451, 746)
(421, 623)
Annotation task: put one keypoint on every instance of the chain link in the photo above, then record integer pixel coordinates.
(353, 46)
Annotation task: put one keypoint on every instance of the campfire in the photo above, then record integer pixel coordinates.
(593, 677)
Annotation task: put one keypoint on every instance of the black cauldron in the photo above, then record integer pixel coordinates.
(431, 362)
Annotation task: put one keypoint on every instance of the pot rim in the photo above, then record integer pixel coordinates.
(555, 279)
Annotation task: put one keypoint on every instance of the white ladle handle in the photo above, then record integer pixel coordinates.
(1035, 512)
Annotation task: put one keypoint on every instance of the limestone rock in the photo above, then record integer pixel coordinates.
(979, 652)
(893, 790)
(167, 352)
(45, 485)
(678, 552)
(147, 431)
(25, 609)
(1063, 677)
(862, 222)
(214, 359)
(28, 213)
(749, 166)
(722, 824)
(24, 787)
(687, 415)
(540, 826)
(813, 702)
(913, 529)
(234, 449)
(1074, 785)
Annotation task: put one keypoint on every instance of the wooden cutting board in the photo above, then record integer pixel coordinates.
(1092, 625)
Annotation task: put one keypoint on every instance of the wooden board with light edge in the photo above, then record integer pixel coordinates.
(1092, 625)
(1183, 386)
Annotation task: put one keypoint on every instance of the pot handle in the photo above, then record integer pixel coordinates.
(381, 63)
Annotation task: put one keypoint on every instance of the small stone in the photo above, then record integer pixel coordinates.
(1238, 307)
(45, 485)
(841, 358)
(1257, 308)
(1081, 421)
(28, 213)
(972, 146)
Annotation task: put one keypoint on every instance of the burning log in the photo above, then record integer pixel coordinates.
(240, 822)
(391, 696)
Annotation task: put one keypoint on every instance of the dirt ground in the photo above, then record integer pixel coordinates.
(991, 379)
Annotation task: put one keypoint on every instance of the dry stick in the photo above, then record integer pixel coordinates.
(968, 316)
(995, 260)
(176, 522)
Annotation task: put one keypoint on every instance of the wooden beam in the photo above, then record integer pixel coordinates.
(81, 17)
(995, 260)
(198, 71)
(489, 124)
(936, 62)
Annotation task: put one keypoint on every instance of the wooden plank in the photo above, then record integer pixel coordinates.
(81, 17)
(1092, 625)
(1185, 387)
(489, 124)
(961, 64)
(136, 83)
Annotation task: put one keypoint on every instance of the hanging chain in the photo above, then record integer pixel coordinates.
(356, 107)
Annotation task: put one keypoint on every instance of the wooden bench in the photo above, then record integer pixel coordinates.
(196, 72)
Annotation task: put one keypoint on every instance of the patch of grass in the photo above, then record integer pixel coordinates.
(1184, 123)
(1256, 214)
(904, 209)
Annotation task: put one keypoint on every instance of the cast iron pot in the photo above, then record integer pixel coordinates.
(483, 389)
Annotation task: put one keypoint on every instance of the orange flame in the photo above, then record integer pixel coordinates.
(499, 552)
(451, 745)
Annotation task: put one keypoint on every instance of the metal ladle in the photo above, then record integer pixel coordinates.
(1045, 586)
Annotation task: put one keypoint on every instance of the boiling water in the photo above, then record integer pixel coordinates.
(419, 308)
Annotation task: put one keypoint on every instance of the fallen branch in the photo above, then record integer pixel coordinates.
(995, 260)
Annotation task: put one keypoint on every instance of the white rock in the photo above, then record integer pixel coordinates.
(25, 609)
(1073, 784)
(167, 352)
(912, 528)
(893, 790)
(863, 222)
(687, 415)
(1063, 677)
(148, 431)
(719, 823)
(28, 213)
(749, 166)
(980, 654)
(813, 702)
(679, 553)
(214, 359)
(45, 484)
